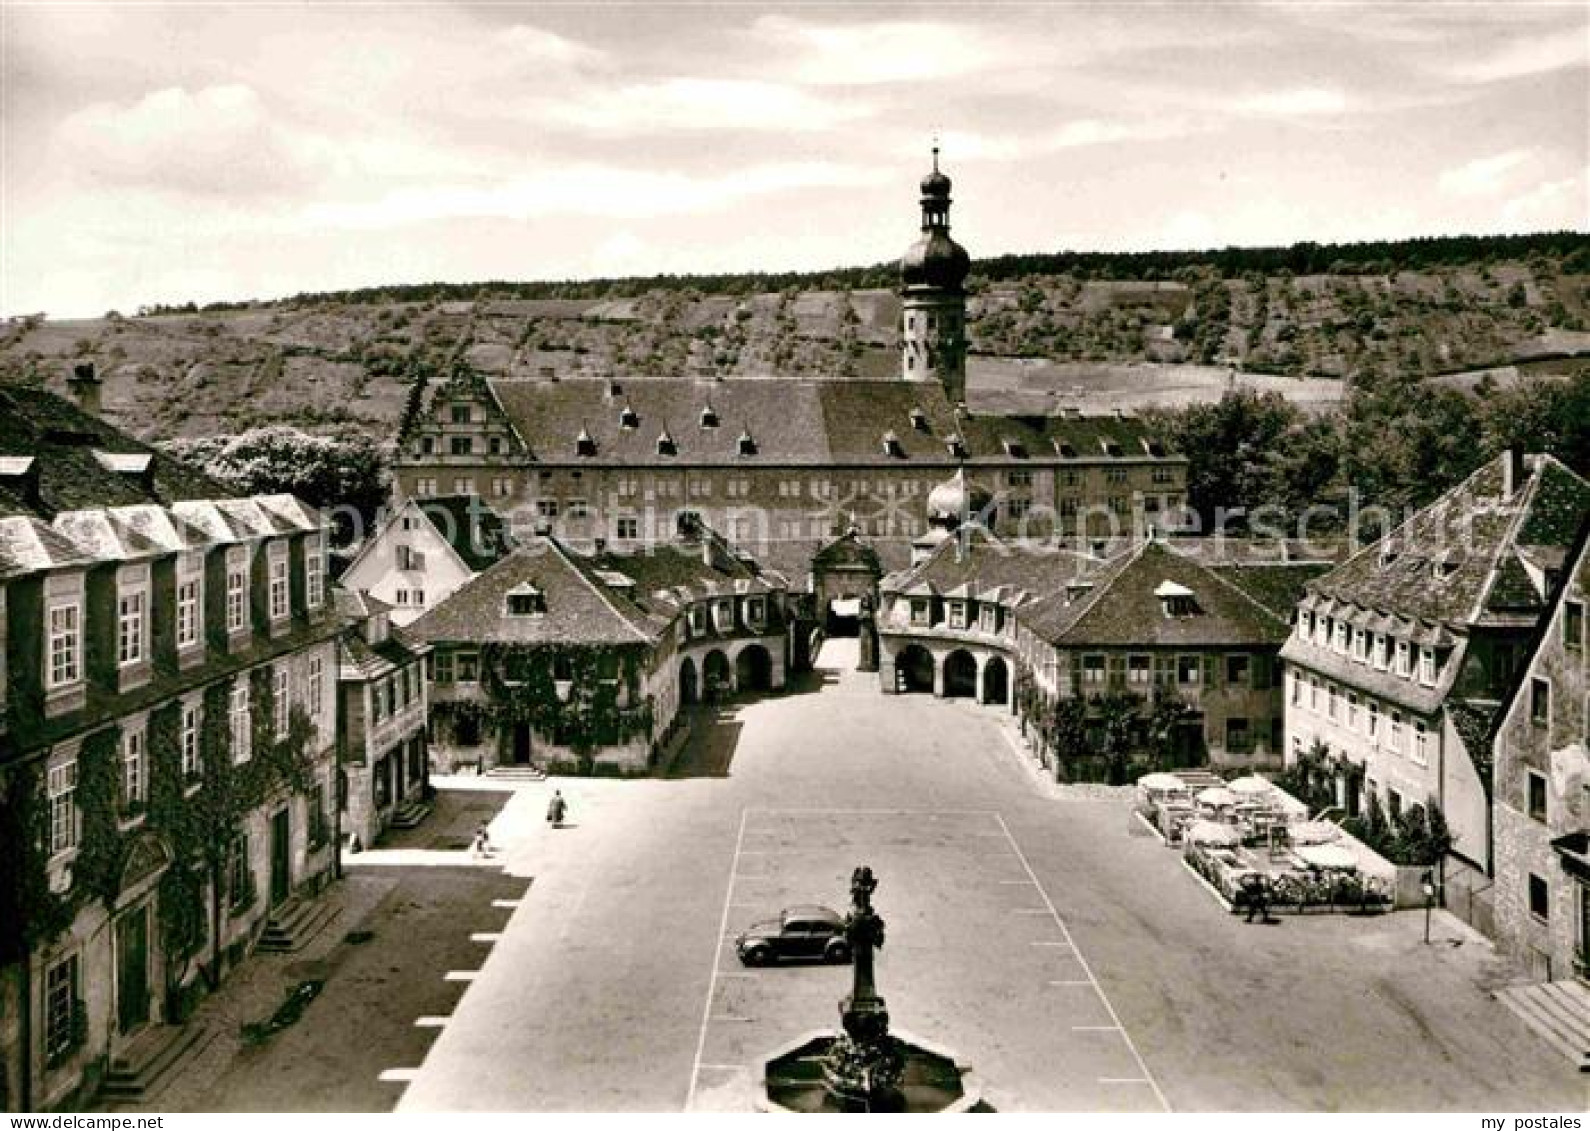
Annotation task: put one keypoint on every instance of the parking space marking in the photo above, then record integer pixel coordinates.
(1029, 911)
(1147, 1077)
(505, 903)
(1072, 982)
(1128, 1080)
(431, 1022)
(486, 936)
(399, 1075)
(1095, 1028)
(717, 960)
(1024, 882)
(460, 975)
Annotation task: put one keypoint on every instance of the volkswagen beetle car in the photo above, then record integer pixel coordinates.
(805, 932)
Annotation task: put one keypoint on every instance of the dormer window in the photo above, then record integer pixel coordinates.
(746, 445)
(526, 601)
(698, 620)
(709, 417)
(755, 610)
(1154, 448)
(956, 446)
(919, 420)
(1111, 448)
(891, 445)
(1065, 449)
(1015, 449)
(584, 445)
(628, 418)
(462, 413)
(1177, 600)
(957, 614)
(666, 445)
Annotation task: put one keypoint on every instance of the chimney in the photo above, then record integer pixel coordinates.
(1513, 472)
(87, 387)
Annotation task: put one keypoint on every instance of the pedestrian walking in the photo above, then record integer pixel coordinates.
(481, 846)
(556, 809)
(1257, 888)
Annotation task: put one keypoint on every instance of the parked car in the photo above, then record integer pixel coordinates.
(805, 932)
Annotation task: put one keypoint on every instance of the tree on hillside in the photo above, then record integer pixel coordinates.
(1541, 416)
(346, 474)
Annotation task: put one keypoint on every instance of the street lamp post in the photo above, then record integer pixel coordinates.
(1427, 883)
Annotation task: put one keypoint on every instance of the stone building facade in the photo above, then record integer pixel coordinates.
(978, 619)
(1401, 657)
(1542, 792)
(168, 754)
(585, 663)
(381, 719)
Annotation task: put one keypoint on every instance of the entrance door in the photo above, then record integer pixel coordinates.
(281, 858)
(132, 970)
(521, 744)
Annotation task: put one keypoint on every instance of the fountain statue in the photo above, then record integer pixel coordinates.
(865, 1067)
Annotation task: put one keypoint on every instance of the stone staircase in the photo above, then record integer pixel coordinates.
(1559, 1012)
(411, 813)
(516, 773)
(138, 1069)
(293, 924)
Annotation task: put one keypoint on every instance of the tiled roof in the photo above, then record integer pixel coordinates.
(1124, 608)
(1456, 561)
(580, 608)
(791, 422)
(79, 460)
(1276, 587)
(981, 562)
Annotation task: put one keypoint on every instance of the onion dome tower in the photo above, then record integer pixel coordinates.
(932, 276)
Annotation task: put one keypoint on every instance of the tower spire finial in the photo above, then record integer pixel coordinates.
(935, 151)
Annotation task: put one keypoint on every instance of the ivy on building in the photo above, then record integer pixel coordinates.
(583, 696)
(197, 826)
(1110, 737)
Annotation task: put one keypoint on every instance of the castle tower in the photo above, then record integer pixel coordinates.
(932, 274)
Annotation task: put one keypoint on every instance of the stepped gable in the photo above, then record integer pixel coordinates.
(79, 461)
(1463, 558)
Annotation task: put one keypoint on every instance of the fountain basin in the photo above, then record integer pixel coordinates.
(935, 1079)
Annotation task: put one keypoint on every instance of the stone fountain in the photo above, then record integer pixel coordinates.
(864, 1066)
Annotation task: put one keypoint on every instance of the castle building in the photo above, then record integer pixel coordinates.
(167, 742)
(776, 462)
(1402, 656)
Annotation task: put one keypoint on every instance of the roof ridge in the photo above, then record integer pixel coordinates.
(1235, 588)
(1096, 592)
(600, 591)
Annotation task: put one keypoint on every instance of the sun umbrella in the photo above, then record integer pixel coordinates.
(1250, 785)
(1327, 856)
(1161, 782)
(1313, 832)
(1211, 832)
(1216, 796)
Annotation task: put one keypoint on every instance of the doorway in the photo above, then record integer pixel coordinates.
(281, 856)
(519, 754)
(132, 970)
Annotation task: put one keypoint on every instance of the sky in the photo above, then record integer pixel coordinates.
(204, 151)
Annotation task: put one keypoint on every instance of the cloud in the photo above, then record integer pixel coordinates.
(589, 190)
(1484, 176)
(1301, 102)
(530, 44)
(219, 140)
(1550, 205)
(869, 53)
(961, 146)
(1522, 58)
(701, 104)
